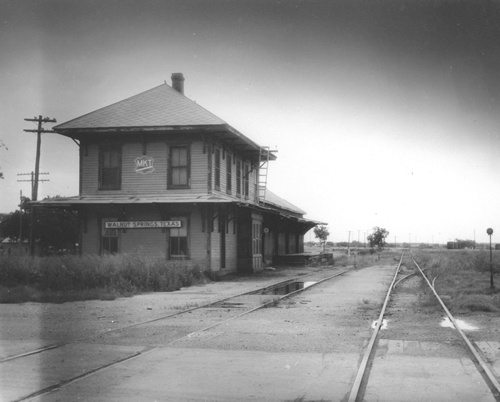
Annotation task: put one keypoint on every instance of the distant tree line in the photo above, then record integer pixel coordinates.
(55, 229)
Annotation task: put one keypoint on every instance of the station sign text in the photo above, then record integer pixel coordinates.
(142, 224)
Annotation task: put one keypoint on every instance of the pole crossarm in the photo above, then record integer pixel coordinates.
(42, 131)
(42, 119)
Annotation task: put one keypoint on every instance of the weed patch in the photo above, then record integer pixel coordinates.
(462, 279)
(59, 279)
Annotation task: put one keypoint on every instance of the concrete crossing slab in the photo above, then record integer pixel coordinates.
(22, 377)
(177, 374)
(491, 352)
(436, 375)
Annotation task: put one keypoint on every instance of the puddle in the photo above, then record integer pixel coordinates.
(287, 288)
(383, 326)
(461, 324)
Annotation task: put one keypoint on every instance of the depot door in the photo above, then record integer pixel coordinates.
(256, 244)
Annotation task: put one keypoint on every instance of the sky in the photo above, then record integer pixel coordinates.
(383, 113)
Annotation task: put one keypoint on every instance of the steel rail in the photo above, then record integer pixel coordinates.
(31, 352)
(136, 355)
(355, 392)
(407, 277)
(55, 387)
(205, 305)
(471, 348)
(269, 303)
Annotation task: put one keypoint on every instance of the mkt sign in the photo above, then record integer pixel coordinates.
(144, 164)
(143, 224)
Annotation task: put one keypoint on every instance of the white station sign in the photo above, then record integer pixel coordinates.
(142, 224)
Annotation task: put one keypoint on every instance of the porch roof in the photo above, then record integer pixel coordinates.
(134, 199)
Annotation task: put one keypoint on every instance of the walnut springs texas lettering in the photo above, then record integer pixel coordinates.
(143, 224)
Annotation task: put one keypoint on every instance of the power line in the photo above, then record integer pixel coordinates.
(32, 179)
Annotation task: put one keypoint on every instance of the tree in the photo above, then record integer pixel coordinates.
(321, 233)
(17, 223)
(55, 228)
(10, 225)
(377, 238)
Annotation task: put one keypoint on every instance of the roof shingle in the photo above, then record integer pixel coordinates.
(160, 106)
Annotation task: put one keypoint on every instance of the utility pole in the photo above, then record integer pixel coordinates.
(40, 120)
(21, 221)
(40, 130)
(492, 285)
(349, 244)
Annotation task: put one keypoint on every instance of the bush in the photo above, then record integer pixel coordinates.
(122, 274)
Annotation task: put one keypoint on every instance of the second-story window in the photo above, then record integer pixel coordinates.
(179, 167)
(238, 177)
(217, 168)
(110, 172)
(246, 185)
(229, 174)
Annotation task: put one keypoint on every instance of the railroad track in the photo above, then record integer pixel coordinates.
(362, 378)
(171, 328)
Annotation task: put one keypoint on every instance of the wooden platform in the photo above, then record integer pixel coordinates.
(302, 259)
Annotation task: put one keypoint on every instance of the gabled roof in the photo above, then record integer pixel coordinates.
(160, 109)
(161, 106)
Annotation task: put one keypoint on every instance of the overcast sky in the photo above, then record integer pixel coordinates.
(383, 113)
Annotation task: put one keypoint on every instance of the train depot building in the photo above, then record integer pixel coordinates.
(161, 175)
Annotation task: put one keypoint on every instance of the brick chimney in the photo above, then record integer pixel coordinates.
(178, 82)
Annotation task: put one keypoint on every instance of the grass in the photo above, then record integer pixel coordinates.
(66, 278)
(463, 279)
(187, 305)
(361, 258)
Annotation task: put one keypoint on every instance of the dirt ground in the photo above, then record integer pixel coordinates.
(410, 314)
(68, 322)
(331, 322)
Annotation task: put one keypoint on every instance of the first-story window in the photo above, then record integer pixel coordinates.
(178, 243)
(110, 172)
(109, 238)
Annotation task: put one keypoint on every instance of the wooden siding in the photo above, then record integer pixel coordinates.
(198, 238)
(215, 247)
(281, 246)
(231, 243)
(90, 170)
(150, 242)
(252, 178)
(151, 183)
(268, 245)
(90, 238)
